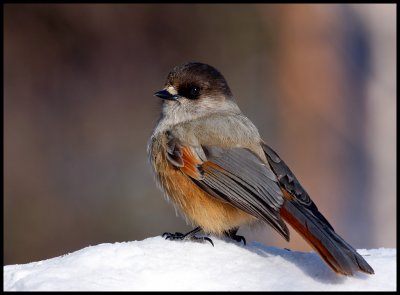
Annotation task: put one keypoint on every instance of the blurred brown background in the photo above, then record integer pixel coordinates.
(317, 80)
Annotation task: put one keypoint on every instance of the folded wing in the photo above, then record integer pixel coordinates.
(236, 176)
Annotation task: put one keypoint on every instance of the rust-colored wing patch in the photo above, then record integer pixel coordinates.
(191, 163)
(183, 157)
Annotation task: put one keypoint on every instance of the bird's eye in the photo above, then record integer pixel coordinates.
(194, 92)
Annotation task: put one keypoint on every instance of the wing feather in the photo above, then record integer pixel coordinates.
(290, 183)
(236, 176)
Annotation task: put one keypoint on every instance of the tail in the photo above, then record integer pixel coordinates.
(302, 214)
(335, 251)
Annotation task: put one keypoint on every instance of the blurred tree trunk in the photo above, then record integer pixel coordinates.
(315, 108)
(381, 100)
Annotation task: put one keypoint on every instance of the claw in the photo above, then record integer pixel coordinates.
(241, 239)
(232, 234)
(208, 239)
(200, 239)
(172, 236)
(189, 236)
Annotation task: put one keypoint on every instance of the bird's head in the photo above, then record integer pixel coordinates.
(193, 90)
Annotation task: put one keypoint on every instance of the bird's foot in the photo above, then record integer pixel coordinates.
(232, 234)
(239, 239)
(188, 236)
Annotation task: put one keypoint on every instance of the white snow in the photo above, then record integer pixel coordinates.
(158, 264)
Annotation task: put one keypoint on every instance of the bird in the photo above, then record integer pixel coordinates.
(212, 164)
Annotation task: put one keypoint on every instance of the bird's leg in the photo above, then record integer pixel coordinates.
(188, 236)
(232, 234)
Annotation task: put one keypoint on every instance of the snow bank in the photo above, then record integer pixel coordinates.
(157, 264)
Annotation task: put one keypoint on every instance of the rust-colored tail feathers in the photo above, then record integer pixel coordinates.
(303, 215)
(338, 254)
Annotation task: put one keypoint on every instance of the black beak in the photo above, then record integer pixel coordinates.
(164, 94)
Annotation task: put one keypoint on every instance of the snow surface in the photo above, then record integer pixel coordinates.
(158, 264)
